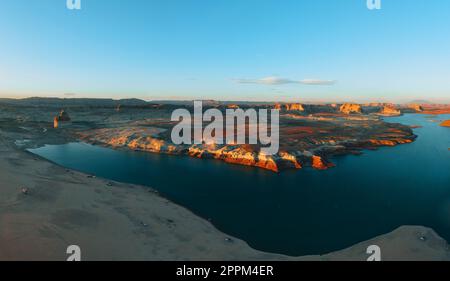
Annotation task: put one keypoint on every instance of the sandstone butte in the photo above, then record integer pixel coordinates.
(236, 154)
(349, 108)
(144, 139)
(390, 110)
(290, 107)
(415, 107)
(62, 117)
(294, 107)
(446, 123)
(436, 109)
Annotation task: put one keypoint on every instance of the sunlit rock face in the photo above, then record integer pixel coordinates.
(308, 138)
(415, 107)
(351, 108)
(301, 146)
(247, 155)
(294, 107)
(446, 123)
(389, 110)
(63, 116)
(291, 159)
(392, 142)
(319, 163)
(290, 107)
(55, 123)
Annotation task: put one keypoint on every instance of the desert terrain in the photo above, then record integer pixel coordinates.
(309, 134)
(44, 208)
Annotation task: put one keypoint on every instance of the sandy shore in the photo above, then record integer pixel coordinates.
(127, 222)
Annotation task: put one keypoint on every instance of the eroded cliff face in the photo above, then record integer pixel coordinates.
(351, 108)
(294, 107)
(309, 139)
(300, 146)
(319, 163)
(415, 107)
(247, 155)
(63, 116)
(389, 110)
(290, 107)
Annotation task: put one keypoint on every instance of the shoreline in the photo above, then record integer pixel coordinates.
(319, 159)
(63, 207)
(158, 228)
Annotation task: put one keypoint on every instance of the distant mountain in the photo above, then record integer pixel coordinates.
(210, 102)
(73, 102)
(421, 102)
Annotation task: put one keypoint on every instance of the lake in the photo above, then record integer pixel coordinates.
(296, 212)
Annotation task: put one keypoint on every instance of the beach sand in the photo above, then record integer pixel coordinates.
(44, 208)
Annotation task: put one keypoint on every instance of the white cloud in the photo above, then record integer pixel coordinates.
(273, 80)
(317, 82)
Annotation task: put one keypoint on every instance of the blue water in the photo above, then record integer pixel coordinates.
(295, 212)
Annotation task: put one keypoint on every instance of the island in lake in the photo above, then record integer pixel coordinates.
(310, 134)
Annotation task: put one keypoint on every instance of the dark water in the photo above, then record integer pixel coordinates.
(295, 212)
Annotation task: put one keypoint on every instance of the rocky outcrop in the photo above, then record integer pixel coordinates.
(294, 107)
(415, 107)
(233, 106)
(390, 142)
(319, 163)
(446, 123)
(62, 117)
(290, 107)
(247, 155)
(436, 109)
(351, 108)
(306, 140)
(389, 110)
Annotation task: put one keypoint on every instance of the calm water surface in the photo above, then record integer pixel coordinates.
(295, 212)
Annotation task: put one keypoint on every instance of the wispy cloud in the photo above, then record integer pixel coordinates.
(317, 82)
(273, 80)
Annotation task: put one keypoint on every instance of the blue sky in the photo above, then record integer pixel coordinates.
(226, 49)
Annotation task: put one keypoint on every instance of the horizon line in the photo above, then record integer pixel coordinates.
(292, 100)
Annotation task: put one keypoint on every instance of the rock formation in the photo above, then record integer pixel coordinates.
(294, 107)
(309, 139)
(62, 117)
(415, 107)
(290, 107)
(302, 146)
(446, 123)
(233, 106)
(349, 108)
(389, 110)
